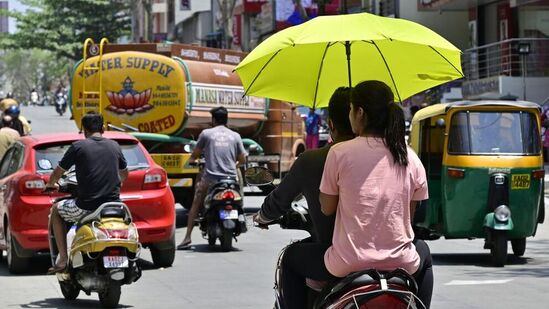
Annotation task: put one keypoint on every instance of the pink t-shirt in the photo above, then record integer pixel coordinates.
(372, 226)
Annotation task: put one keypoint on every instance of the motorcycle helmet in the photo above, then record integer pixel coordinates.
(7, 102)
(12, 111)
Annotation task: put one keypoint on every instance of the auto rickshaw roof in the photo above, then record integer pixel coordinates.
(443, 108)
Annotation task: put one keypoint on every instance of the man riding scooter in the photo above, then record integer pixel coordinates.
(306, 172)
(100, 169)
(224, 151)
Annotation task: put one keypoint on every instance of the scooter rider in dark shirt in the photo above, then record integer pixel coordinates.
(306, 172)
(100, 170)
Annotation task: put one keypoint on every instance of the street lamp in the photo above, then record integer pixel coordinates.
(523, 51)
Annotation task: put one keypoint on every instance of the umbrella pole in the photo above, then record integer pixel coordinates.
(348, 53)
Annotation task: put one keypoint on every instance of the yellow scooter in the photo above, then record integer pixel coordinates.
(103, 248)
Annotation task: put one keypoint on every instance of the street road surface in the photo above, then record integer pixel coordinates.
(243, 278)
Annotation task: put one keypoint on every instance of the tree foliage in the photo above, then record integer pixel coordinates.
(25, 70)
(61, 26)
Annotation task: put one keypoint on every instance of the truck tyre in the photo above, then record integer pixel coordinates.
(226, 240)
(16, 264)
(163, 256)
(110, 297)
(499, 248)
(519, 246)
(69, 290)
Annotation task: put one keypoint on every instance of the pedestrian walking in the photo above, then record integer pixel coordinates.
(34, 97)
(312, 125)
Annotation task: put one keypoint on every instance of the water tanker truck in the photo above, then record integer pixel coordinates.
(162, 94)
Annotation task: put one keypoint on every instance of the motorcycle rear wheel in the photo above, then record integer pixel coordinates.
(69, 291)
(110, 297)
(226, 240)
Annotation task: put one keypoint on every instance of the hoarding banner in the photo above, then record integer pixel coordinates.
(208, 96)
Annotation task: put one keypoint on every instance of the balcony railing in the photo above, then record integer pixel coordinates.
(513, 57)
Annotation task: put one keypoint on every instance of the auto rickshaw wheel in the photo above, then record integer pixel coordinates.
(519, 246)
(499, 248)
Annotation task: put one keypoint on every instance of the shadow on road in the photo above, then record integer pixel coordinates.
(38, 266)
(476, 259)
(205, 248)
(62, 303)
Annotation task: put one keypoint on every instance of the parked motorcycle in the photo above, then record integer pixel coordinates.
(60, 103)
(103, 249)
(364, 289)
(223, 216)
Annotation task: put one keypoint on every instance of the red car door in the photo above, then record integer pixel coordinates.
(8, 166)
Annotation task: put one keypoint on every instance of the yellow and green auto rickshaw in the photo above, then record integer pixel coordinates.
(485, 173)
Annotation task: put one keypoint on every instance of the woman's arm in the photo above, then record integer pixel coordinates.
(413, 205)
(328, 203)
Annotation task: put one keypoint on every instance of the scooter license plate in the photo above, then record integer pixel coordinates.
(115, 261)
(228, 214)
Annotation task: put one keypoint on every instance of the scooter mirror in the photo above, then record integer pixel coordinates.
(258, 176)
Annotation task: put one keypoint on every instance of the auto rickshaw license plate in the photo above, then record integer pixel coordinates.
(520, 181)
(115, 261)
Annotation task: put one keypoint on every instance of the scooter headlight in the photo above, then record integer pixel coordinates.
(502, 213)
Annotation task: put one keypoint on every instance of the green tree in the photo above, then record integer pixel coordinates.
(36, 69)
(61, 26)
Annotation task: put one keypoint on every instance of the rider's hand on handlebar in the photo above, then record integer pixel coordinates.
(260, 221)
(53, 188)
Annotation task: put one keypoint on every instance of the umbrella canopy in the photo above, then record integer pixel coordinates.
(304, 64)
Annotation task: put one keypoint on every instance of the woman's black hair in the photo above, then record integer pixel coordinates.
(384, 117)
(93, 122)
(338, 110)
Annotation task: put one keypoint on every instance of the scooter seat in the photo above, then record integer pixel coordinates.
(113, 212)
(397, 278)
(108, 210)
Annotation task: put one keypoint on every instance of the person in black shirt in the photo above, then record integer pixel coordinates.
(306, 172)
(100, 169)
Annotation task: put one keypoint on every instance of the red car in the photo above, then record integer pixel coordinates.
(24, 208)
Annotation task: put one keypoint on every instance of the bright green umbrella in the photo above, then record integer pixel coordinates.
(304, 64)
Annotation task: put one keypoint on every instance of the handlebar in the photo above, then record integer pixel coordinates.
(198, 163)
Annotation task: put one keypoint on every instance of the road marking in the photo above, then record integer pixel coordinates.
(477, 282)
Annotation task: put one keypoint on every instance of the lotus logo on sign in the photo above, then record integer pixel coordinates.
(128, 100)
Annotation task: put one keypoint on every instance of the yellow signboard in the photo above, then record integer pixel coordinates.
(143, 90)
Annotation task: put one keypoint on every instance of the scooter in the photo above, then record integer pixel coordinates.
(103, 249)
(364, 289)
(60, 103)
(223, 216)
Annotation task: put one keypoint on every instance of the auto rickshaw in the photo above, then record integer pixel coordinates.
(485, 173)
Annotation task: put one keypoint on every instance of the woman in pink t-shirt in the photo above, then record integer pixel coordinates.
(372, 184)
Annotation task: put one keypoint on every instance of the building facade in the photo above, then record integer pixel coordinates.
(507, 50)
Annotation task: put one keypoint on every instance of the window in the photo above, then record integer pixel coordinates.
(134, 156)
(16, 160)
(491, 133)
(48, 156)
(6, 160)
